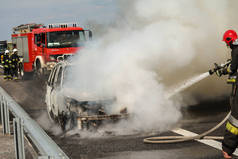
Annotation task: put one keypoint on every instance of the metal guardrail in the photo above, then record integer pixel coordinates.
(23, 124)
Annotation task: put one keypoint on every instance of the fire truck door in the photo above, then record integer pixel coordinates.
(43, 44)
(40, 42)
(37, 49)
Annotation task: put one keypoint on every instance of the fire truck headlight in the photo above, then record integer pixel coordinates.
(52, 65)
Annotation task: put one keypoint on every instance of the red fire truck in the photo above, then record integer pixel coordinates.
(40, 47)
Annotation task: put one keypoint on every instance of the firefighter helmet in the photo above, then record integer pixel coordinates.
(6, 51)
(14, 50)
(229, 36)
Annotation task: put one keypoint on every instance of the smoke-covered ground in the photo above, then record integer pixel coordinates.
(152, 46)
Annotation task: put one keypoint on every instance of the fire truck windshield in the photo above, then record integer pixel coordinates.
(62, 39)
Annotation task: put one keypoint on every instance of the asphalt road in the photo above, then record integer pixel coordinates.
(198, 118)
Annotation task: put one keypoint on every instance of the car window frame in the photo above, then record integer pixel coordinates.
(56, 84)
(52, 76)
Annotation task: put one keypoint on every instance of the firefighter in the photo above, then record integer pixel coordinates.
(230, 142)
(2, 55)
(14, 65)
(6, 62)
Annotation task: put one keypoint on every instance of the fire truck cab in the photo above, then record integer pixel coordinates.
(39, 46)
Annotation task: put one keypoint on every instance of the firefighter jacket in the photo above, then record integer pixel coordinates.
(234, 94)
(15, 59)
(6, 61)
(234, 60)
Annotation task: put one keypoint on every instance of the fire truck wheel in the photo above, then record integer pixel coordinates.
(39, 71)
(24, 75)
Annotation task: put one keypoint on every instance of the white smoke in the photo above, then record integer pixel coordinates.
(155, 44)
(47, 124)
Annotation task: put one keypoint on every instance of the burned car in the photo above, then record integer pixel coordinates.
(70, 109)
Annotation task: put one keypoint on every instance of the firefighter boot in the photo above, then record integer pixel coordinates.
(225, 155)
(9, 77)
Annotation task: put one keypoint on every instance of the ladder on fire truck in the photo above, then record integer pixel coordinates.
(26, 28)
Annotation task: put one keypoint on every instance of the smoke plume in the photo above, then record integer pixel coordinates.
(154, 45)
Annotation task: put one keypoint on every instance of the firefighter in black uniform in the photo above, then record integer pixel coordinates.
(230, 142)
(6, 62)
(14, 65)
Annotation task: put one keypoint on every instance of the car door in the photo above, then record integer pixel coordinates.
(57, 100)
(49, 89)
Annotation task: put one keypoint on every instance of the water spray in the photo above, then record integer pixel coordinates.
(183, 86)
(186, 84)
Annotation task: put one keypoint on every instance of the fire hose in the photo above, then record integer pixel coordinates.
(178, 139)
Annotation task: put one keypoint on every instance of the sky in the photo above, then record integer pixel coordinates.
(15, 12)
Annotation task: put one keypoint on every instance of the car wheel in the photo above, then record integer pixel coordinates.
(68, 122)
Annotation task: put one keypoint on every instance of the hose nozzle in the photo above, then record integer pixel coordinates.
(218, 67)
(211, 72)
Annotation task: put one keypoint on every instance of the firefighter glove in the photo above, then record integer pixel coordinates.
(229, 69)
(219, 72)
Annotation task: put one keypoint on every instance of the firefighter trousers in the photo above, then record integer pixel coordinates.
(7, 72)
(230, 142)
(14, 71)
